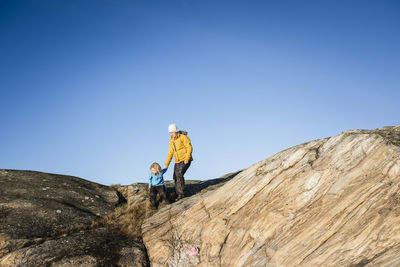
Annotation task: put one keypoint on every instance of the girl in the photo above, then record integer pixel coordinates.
(156, 184)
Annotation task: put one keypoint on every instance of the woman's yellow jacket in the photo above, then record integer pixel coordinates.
(180, 148)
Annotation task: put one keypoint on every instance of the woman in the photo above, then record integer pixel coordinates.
(181, 149)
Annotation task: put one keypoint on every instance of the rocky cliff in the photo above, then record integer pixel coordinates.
(329, 202)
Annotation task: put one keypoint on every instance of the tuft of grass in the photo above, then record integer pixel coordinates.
(126, 219)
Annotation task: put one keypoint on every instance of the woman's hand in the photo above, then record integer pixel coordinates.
(186, 162)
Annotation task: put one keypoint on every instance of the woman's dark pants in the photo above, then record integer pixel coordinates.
(179, 170)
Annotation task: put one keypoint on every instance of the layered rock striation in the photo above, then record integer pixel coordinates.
(329, 202)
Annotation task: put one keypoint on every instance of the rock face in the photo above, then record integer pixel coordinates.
(45, 220)
(329, 202)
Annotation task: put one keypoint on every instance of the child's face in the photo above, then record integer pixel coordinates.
(153, 171)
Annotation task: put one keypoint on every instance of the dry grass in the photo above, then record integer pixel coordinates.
(126, 220)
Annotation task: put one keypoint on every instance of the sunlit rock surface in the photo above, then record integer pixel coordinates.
(329, 202)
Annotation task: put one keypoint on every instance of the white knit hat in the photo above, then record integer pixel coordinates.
(172, 128)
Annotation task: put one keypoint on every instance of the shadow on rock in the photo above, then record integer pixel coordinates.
(193, 187)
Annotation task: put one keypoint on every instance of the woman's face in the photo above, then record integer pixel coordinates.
(153, 171)
(173, 134)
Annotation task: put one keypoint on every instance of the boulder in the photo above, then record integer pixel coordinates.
(47, 220)
(328, 202)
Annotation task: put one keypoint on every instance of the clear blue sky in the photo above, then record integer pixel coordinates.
(88, 88)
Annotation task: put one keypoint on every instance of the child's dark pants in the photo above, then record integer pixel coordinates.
(153, 195)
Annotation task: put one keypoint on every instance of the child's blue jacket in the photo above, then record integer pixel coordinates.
(157, 179)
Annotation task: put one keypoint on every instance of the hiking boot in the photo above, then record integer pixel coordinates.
(179, 197)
